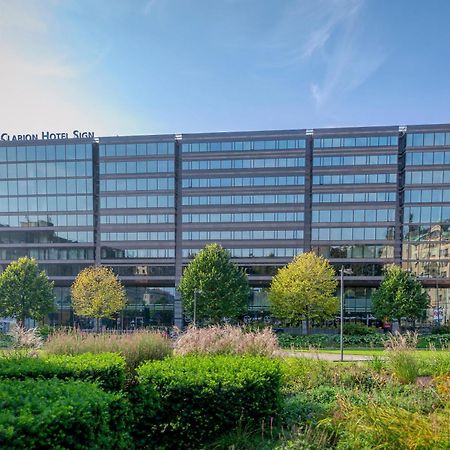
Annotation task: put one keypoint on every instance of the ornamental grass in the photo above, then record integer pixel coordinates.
(226, 340)
(142, 345)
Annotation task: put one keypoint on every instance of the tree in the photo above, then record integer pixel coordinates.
(97, 292)
(25, 292)
(218, 287)
(304, 290)
(400, 295)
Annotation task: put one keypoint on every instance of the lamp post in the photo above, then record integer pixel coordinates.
(346, 271)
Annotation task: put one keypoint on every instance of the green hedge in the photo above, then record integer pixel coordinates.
(55, 414)
(203, 396)
(330, 341)
(108, 369)
(370, 340)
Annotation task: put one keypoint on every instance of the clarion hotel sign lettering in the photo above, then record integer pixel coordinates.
(45, 135)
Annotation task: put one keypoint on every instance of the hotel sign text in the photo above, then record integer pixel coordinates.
(46, 135)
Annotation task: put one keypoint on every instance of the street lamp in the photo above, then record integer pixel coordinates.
(196, 291)
(343, 271)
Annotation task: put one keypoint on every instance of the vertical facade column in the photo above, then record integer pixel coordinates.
(178, 306)
(96, 201)
(308, 190)
(399, 206)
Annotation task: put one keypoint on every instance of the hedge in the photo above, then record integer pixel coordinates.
(56, 414)
(108, 369)
(371, 340)
(203, 396)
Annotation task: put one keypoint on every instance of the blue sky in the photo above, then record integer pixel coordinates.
(165, 66)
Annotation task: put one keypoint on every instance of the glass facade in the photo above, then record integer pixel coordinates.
(145, 205)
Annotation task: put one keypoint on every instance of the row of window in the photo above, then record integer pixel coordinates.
(137, 201)
(427, 177)
(45, 237)
(50, 253)
(353, 197)
(137, 253)
(242, 181)
(136, 184)
(141, 149)
(231, 146)
(421, 251)
(367, 141)
(264, 199)
(353, 234)
(245, 217)
(241, 235)
(63, 220)
(43, 203)
(252, 252)
(356, 215)
(46, 152)
(138, 219)
(427, 195)
(355, 251)
(357, 160)
(427, 214)
(149, 166)
(430, 232)
(42, 187)
(427, 139)
(139, 236)
(59, 169)
(427, 158)
(224, 164)
(366, 178)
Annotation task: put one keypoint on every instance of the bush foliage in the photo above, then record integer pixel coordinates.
(108, 369)
(201, 397)
(52, 414)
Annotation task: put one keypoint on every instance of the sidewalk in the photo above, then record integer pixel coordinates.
(324, 356)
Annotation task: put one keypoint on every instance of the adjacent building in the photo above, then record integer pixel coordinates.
(145, 205)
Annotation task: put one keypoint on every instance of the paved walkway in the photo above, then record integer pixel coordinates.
(325, 356)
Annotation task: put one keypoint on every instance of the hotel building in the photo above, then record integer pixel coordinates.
(145, 205)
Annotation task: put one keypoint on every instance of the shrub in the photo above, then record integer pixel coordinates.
(330, 341)
(358, 329)
(108, 369)
(135, 347)
(301, 374)
(203, 396)
(227, 340)
(310, 406)
(440, 341)
(61, 415)
(441, 329)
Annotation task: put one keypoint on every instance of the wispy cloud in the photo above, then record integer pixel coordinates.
(321, 39)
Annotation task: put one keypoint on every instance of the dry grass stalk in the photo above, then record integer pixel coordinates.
(134, 347)
(226, 340)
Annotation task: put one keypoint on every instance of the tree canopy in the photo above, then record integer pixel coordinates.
(305, 289)
(400, 295)
(97, 292)
(25, 292)
(221, 288)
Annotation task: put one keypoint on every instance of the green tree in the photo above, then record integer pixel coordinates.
(400, 295)
(97, 292)
(25, 292)
(217, 286)
(305, 289)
